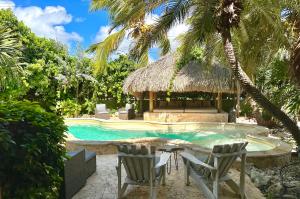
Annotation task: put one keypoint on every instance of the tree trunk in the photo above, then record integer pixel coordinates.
(295, 59)
(250, 88)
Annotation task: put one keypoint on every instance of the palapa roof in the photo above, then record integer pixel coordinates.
(193, 77)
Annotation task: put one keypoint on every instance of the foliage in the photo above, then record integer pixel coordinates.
(111, 83)
(275, 83)
(59, 81)
(195, 54)
(246, 109)
(68, 108)
(9, 58)
(32, 151)
(128, 18)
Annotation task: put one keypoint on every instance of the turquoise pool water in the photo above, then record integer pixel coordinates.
(204, 138)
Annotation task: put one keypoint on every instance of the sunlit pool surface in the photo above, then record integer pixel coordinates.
(207, 138)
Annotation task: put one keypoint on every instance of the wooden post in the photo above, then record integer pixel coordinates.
(219, 106)
(216, 100)
(238, 95)
(154, 100)
(150, 101)
(140, 102)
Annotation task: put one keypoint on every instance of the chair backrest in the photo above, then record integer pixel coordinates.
(138, 161)
(226, 155)
(128, 106)
(100, 107)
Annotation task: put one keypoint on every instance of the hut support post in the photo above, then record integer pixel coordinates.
(140, 104)
(219, 103)
(151, 97)
(238, 95)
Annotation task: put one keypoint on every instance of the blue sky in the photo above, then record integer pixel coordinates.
(70, 22)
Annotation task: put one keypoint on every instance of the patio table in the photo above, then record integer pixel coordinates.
(171, 149)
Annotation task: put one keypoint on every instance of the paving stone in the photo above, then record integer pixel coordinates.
(103, 185)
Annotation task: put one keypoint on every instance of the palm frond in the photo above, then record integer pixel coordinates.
(111, 6)
(10, 53)
(164, 44)
(176, 13)
(103, 49)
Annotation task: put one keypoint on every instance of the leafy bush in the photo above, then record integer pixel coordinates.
(69, 108)
(274, 82)
(31, 151)
(246, 108)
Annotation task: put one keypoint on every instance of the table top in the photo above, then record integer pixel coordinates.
(171, 148)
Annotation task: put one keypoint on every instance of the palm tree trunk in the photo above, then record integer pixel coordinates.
(250, 88)
(295, 65)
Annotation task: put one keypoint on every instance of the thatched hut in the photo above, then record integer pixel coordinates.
(164, 76)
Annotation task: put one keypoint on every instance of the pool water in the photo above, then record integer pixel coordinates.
(203, 138)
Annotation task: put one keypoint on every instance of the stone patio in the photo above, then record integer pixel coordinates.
(103, 184)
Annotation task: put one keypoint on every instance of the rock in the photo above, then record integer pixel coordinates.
(275, 189)
(294, 184)
(294, 187)
(260, 179)
(288, 196)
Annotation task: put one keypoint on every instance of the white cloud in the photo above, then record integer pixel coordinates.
(79, 19)
(174, 32)
(6, 4)
(48, 22)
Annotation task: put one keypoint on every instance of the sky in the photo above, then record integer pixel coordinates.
(71, 22)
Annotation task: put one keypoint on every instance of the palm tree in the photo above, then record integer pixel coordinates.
(128, 19)
(295, 58)
(208, 19)
(9, 58)
(295, 66)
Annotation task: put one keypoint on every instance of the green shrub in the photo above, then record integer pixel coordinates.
(69, 108)
(31, 151)
(246, 108)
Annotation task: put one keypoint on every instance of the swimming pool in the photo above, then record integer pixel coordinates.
(205, 137)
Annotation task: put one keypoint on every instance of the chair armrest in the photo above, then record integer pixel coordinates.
(164, 157)
(194, 160)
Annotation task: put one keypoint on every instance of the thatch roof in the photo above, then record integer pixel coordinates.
(193, 77)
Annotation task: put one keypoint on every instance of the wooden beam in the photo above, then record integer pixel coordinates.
(151, 97)
(238, 96)
(219, 104)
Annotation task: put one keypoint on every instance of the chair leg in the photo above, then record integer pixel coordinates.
(187, 173)
(164, 175)
(151, 181)
(216, 189)
(242, 176)
(119, 181)
(216, 179)
(124, 187)
(153, 192)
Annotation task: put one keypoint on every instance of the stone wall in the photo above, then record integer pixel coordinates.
(186, 117)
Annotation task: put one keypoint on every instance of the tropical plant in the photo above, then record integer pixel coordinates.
(68, 108)
(274, 81)
(32, 151)
(110, 86)
(128, 19)
(211, 19)
(10, 68)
